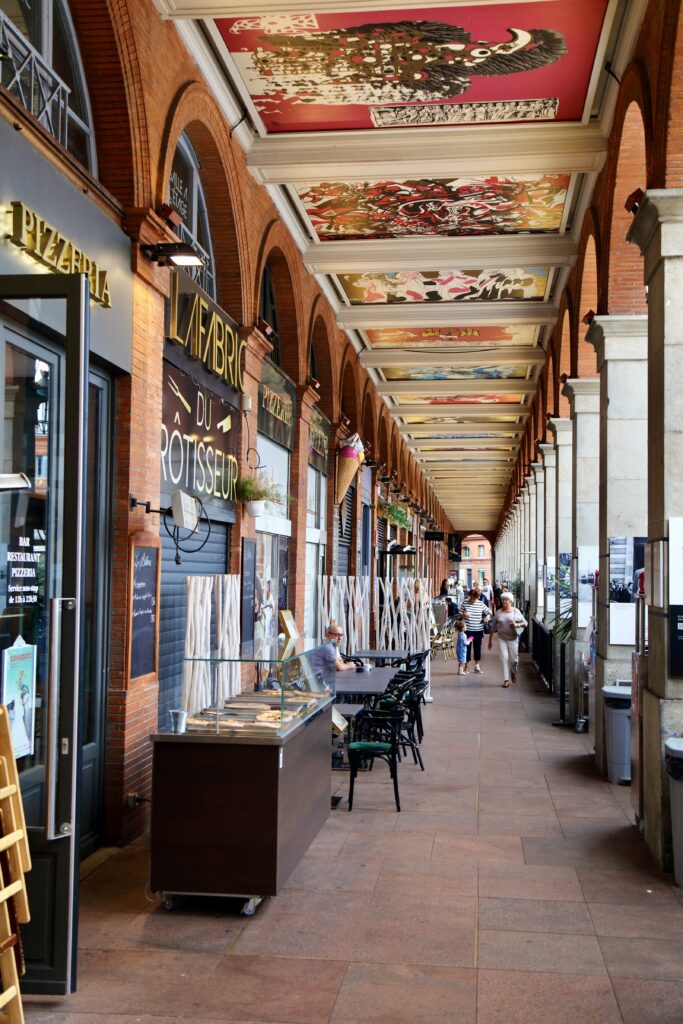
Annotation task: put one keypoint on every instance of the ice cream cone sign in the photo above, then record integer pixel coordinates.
(349, 457)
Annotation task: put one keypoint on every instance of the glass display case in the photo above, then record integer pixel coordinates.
(265, 689)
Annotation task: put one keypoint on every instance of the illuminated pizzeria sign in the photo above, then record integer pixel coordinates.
(319, 441)
(47, 245)
(276, 405)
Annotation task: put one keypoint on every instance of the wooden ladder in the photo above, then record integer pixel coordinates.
(15, 861)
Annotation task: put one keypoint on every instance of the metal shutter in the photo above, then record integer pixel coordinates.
(345, 532)
(381, 534)
(213, 558)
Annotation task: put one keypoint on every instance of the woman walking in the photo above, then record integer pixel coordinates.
(475, 613)
(506, 622)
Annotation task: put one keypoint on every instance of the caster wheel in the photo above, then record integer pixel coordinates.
(249, 908)
(169, 902)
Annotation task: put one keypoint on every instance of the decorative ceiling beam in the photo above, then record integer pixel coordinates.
(474, 313)
(415, 431)
(513, 250)
(462, 357)
(240, 8)
(438, 152)
(461, 444)
(461, 408)
(429, 388)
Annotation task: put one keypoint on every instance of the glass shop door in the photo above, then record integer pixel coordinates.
(42, 435)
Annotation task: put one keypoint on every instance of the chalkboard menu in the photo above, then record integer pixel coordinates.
(248, 588)
(143, 634)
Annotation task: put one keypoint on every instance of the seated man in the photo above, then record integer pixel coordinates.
(328, 658)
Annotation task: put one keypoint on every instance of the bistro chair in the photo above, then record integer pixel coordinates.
(376, 734)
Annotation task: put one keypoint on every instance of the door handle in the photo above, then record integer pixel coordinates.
(51, 753)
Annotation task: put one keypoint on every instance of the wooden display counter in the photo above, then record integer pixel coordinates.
(233, 816)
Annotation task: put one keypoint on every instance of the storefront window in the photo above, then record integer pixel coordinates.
(268, 312)
(272, 556)
(186, 196)
(41, 67)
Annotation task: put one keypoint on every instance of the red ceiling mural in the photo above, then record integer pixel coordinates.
(444, 65)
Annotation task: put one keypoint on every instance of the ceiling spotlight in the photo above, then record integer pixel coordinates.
(172, 254)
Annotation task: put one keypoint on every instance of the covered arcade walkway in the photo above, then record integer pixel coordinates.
(512, 888)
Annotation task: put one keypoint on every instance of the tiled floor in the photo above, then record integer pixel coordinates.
(511, 889)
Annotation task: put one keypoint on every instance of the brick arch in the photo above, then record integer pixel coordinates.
(195, 113)
(349, 392)
(115, 87)
(326, 365)
(671, 138)
(369, 420)
(280, 259)
(383, 435)
(395, 452)
(588, 299)
(550, 389)
(625, 286)
(542, 401)
(564, 354)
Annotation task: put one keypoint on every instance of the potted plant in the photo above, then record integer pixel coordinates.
(255, 491)
(395, 514)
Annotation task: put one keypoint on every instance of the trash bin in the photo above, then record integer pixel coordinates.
(618, 732)
(673, 757)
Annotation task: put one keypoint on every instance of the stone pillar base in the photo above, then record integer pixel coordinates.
(661, 719)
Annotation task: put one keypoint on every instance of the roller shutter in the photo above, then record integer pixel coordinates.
(212, 559)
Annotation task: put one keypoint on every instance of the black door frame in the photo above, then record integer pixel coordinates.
(58, 839)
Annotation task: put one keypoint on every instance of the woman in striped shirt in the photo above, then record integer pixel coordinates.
(475, 613)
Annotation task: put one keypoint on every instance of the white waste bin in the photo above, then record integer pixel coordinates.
(673, 756)
(618, 732)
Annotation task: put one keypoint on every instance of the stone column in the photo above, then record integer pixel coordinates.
(539, 476)
(307, 397)
(657, 231)
(525, 594)
(530, 557)
(549, 554)
(517, 569)
(584, 402)
(561, 429)
(620, 344)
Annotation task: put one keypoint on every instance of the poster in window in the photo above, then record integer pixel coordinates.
(19, 694)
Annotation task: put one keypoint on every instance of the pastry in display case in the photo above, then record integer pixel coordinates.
(282, 682)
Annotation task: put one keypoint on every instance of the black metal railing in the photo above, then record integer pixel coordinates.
(28, 77)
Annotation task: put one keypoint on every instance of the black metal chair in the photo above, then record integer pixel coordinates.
(376, 734)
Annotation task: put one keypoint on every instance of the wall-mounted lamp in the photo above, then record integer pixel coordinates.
(172, 254)
(313, 383)
(634, 201)
(588, 318)
(14, 482)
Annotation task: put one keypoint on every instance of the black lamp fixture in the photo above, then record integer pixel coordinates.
(172, 254)
(634, 201)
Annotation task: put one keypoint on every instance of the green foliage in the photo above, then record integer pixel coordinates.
(258, 488)
(395, 514)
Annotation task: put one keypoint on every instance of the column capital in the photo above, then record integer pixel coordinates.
(561, 428)
(656, 229)
(549, 455)
(307, 396)
(618, 337)
(583, 394)
(256, 350)
(538, 469)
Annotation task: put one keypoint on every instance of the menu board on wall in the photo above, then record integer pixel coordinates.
(276, 405)
(143, 632)
(319, 442)
(199, 441)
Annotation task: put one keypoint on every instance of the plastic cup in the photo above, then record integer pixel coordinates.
(178, 721)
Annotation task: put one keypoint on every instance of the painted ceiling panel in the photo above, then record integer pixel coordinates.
(445, 285)
(470, 419)
(454, 373)
(346, 70)
(465, 399)
(437, 337)
(464, 206)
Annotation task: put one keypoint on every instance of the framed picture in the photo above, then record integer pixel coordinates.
(19, 694)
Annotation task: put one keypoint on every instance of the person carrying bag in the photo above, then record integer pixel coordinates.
(508, 624)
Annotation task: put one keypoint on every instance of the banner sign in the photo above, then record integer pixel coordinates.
(199, 441)
(19, 694)
(319, 442)
(201, 329)
(276, 405)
